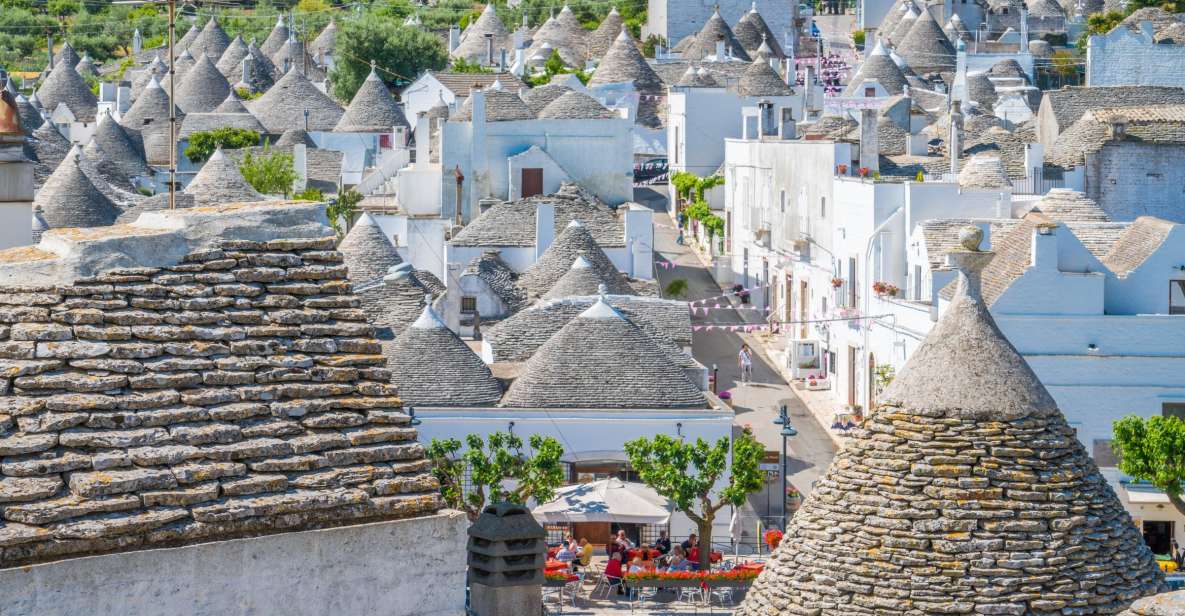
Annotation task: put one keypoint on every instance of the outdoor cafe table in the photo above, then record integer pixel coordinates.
(636, 552)
(556, 565)
(693, 556)
(676, 584)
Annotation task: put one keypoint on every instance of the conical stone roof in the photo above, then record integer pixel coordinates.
(760, 79)
(212, 41)
(752, 31)
(183, 63)
(325, 41)
(86, 67)
(704, 44)
(70, 199)
(156, 68)
(926, 48)
(904, 25)
(601, 359)
(965, 492)
(66, 55)
(283, 106)
(956, 30)
(564, 34)
(219, 182)
(696, 78)
(295, 136)
(368, 252)
(879, 66)
(893, 17)
(149, 115)
(372, 110)
(581, 280)
(188, 38)
(576, 106)
(203, 89)
(984, 172)
(624, 63)
(65, 85)
(276, 38)
(47, 148)
(115, 142)
(231, 104)
(574, 242)
(432, 366)
(263, 73)
(31, 118)
(600, 40)
(1066, 205)
(537, 99)
(234, 54)
(472, 46)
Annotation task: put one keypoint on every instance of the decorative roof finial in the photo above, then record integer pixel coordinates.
(970, 260)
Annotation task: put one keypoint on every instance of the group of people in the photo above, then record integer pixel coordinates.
(579, 554)
(670, 559)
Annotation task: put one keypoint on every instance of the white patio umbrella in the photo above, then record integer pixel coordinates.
(607, 500)
(734, 531)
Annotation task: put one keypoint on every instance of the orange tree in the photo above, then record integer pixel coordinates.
(687, 473)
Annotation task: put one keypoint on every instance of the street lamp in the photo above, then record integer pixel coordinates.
(783, 419)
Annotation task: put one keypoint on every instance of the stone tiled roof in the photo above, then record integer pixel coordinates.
(956, 30)
(197, 122)
(125, 152)
(472, 46)
(282, 107)
(276, 38)
(432, 366)
(696, 78)
(219, 181)
(203, 89)
(1093, 130)
(325, 41)
(501, 106)
(31, 118)
(926, 49)
(1142, 238)
(602, 346)
(106, 175)
(667, 322)
(70, 199)
(190, 35)
(891, 138)
(1070, 103)
(156, 68)
(1064, 205)
(212, 41)
(1173, 34)
(230, 59)
(1045, 9)
(904, 25)
(368, 252)
(461, 83)
(751, 30)
(942, 235)
(893, 16)
(724, 74)
(263, 74)
(704, 44)
(760, 79)
(600, 40)
(557, 261)
(879, 66)
(512, 223)
(981, 90)
(832, 127)
(64, 85)
(185, 441)
(149, 116)
(499, 277)
(984, 172)
(86, 67)
(324, 166)
(563, 34)
(1159, 17)
(542, 96)
(899, 525)
(581, 279)
(183, 62)
(576, 106)
(1098, 237)
(66, 55)
(398, 301)
(372, 109)
(47, 148)
(623, 62)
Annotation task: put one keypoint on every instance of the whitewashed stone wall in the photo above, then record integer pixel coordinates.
(1130, 180)
(1127, 58)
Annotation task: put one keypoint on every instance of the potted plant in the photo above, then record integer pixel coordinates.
(836, 283)
(879, 287)
(793, 498)
(843, 169)
(863, 171)
(772, 538)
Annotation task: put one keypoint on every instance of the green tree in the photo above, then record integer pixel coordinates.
(203, 143)
(676, 289)
(271, 173)
(461, 65)
(555, 66)
(687, 474)
(397, 48)
(534, 471)
(342, 208)
(1153, 450)
(1099, 23)
(698, 210)
(713, 223)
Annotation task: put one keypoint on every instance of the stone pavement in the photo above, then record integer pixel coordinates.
(756, 404)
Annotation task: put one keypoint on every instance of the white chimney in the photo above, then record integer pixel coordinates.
(454, 38)
(300, 163)
(787, 129)
(544, 228)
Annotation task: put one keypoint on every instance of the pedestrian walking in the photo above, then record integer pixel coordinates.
(745, 359)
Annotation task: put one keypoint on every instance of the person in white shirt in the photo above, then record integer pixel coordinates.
(745, 359)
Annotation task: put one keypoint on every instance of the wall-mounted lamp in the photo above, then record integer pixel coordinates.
(411, 411)
(510, 428)
(679, 429)
(1092, 347)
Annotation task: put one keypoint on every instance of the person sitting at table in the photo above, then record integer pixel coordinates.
(679, 561)
(586, 552)
(691, 543)
(613, 571)
(663, 545)
(566, 554)
(636, 566)
(623, 541)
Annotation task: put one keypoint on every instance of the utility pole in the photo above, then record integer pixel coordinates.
(172, 106)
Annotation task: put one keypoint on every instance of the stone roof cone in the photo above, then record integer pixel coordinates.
(965, 492)
(926, 48)
(326, 40)
(368, 253)
(753, 32)
(234, 54)
(189, 36)
(601, 39)
(276, 38)
(284, 105)
(219, 182)
(212, 41)
(70, 199)
(65, 85)
(203, 89)
(472, 45)
(575, 241)
(373, 109)
(431, 365)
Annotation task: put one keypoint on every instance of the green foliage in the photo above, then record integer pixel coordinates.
(885, 373)
(271, 173)
(342, 208)
(92, 82)
(202, 144)
(1099, 23)
(685, 183)
(309, 194)
(396, 48)
(1153, 450)
(651, 44)
(535, 472)
(676, 288)
(22, 35)
(686, 473)
(554, 66)
(714, 224)
(63, 8)
(460, 65)
(698, 210)
(246, 94)
(858, 37)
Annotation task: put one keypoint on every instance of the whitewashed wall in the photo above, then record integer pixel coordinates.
(1126, 58)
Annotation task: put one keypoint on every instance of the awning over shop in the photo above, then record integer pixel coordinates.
(607, 500)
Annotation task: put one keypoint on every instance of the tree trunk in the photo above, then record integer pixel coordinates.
(1175, 499)
(705, 543)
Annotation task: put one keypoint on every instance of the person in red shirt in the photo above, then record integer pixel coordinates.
(613, 571)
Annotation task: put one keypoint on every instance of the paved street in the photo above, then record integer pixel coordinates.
(755, 404)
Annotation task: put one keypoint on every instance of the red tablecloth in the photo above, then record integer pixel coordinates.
(758, 567)
(551, 552)
(634, 553)
(693, 556)
(556, 565)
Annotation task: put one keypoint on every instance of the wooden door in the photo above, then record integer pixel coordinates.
(595, 532)
(532, 182)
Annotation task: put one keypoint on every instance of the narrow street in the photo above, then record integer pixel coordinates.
(756, 404)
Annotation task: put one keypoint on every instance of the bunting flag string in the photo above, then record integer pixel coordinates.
(700, 302)
(704, 309)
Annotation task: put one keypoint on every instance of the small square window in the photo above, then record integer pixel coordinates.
(468, 305)
(1173, 409)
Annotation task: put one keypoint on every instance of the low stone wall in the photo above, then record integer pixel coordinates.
(410, 567)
